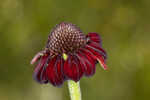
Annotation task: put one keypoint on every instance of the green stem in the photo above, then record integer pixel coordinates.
(74, 89)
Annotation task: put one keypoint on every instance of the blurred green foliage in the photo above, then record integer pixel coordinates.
(124, 26)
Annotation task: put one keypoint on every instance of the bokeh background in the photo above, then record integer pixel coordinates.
(124, 26)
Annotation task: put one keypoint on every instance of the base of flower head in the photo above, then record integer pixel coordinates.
(82, 62)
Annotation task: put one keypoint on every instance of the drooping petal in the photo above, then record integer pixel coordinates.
(35, 58)
(72, 68)
(81, 68)
(38, 56)
(54, 71)
(94, 37)
(59, 69)
(97, 55)
(39, 72)
(87, 62)
(94, 46)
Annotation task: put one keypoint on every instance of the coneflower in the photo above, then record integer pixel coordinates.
(82, 54)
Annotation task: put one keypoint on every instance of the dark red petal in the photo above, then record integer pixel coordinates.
(87, 62)
(59, 69)
(35, 58)
(94, 37)
(71, 68)
(94, 46)
(81, 68)
(90, 58)
(38, 56)
(54, 71)
(97, 55)
(97, 48)
(39, 72)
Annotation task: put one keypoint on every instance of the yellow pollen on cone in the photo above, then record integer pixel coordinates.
(65, 56)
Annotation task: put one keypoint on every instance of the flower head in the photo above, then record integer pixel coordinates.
(81, 52)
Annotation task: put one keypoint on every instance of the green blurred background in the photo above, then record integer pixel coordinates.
(124, 26)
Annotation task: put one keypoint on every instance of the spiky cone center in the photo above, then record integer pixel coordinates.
(65, 38)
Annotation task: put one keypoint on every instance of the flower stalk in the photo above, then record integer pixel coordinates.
(74, 90)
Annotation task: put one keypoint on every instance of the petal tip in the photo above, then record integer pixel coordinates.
(36, 57)
(104, 66)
